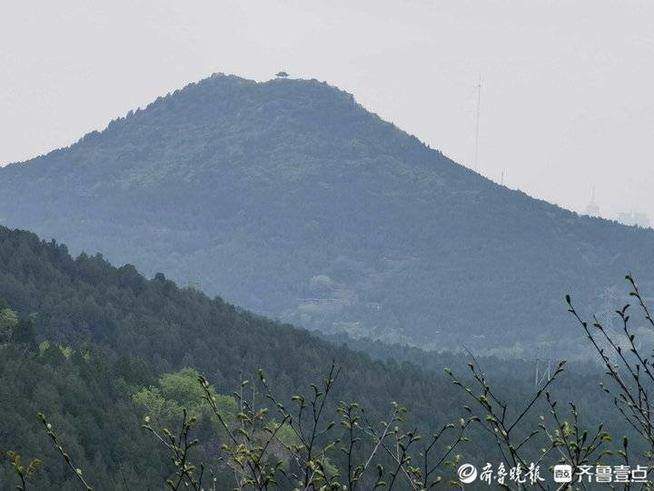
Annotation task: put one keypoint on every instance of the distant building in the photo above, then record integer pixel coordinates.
(193, 285)
(593, 208)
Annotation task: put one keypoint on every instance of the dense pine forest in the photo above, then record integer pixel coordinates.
(97, 348)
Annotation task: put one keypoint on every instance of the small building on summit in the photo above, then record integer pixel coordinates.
(593, 209)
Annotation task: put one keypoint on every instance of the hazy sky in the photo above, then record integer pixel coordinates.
(567, 96)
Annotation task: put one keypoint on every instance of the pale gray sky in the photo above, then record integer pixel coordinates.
(567, 99)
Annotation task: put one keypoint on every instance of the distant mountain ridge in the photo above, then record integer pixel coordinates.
(289, 198)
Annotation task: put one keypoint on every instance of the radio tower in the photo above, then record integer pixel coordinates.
(476, 160)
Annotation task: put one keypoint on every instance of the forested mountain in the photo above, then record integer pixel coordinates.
(86, 301)
(98, 333)
(290, 199)
(96, 347)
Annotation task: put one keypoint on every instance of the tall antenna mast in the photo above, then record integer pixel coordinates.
(476, 161)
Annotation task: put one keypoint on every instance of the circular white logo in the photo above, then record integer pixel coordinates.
(467, 473)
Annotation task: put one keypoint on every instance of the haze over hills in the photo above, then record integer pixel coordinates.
(289, 198)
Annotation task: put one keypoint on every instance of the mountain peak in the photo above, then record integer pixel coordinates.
(309, 113)
(215, 88)
(255, 189)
